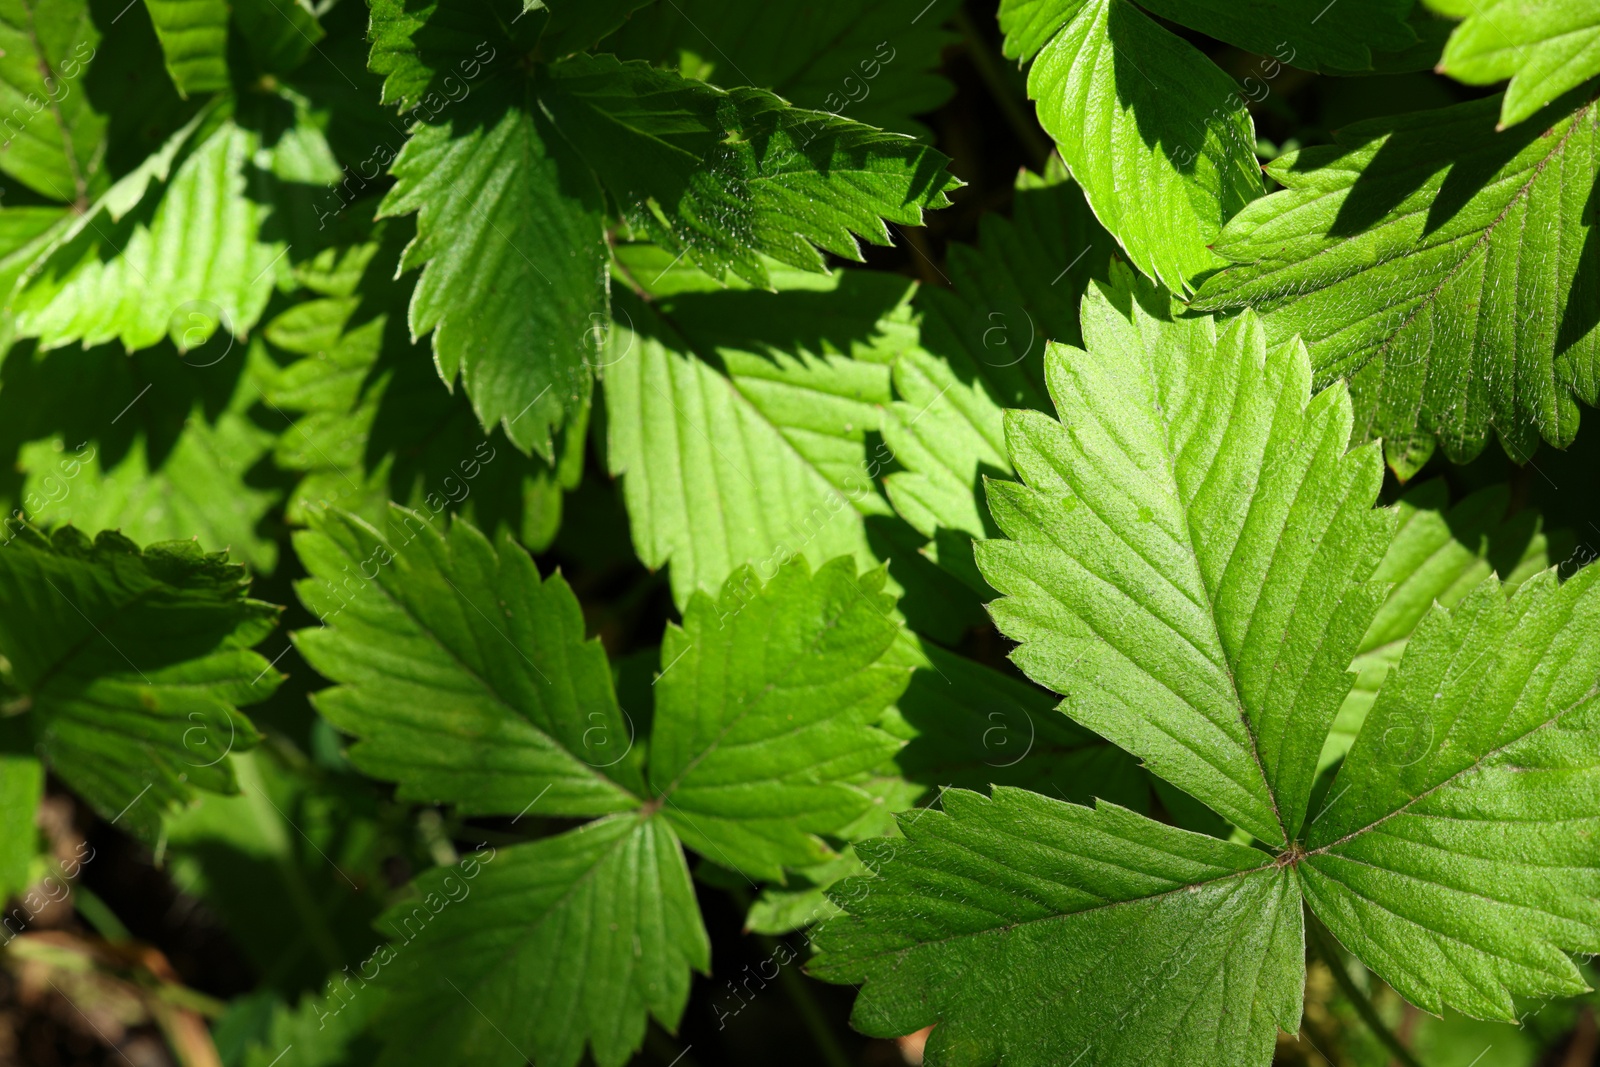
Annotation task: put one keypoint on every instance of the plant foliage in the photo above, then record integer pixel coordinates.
(563, 531)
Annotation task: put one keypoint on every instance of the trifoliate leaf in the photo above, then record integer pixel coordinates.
(1445, 268)
(1037, 932)
(542, 948)
(1439, 554)
(872, 62)
(463, 675)
(764, 710)
(727, 177)
(982, 349)
(53, 135)
(738, 422)
(1154, 131)
(132, 663)
(1189, 553)
(1456, 855)
(194, 42)
(1546, 48)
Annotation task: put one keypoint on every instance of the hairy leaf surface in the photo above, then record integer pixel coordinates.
(1447, 269)
(464, 676)
(1039, 932)
(1189, 553)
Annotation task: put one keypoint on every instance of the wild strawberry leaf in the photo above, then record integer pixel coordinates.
(1151, 129)
(1439, 554)
(1033, 932)
(1456, 854)
(175, 249)
(131, 664)
(1444, 268)
(464, 676)
(738, 421)
(1191, 534)
(1546, 48)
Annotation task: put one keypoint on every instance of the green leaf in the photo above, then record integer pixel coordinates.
(464, 676)
(321, 1031)
(1038, 932)
(764, 710)
(727, 177)
(159, 446)
(1308, 34)
(1456, 856)
(1154, 132)
(174, 249)
(874, 62)
(970, 726)
(569, 939)
(21, 788)
(510, 239)
(132, 663)
(1216, 599)
(194, 42)
(375, 424)
(1440, 552)
(53, 140)
(1546, 48)
(1446, 269)
(738, 421)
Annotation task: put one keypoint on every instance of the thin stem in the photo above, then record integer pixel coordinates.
(1329, 951)
(821, 1032)
(1003, 90)
(794, 985)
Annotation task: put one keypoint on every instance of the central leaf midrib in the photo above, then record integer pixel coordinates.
(1189, 541)
(1476, 764)
(494, 694)
(1059, 916)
